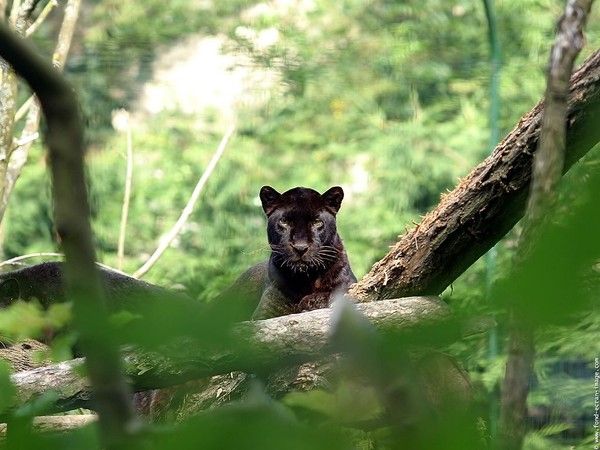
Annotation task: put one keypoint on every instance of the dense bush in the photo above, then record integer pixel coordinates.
(388, 99)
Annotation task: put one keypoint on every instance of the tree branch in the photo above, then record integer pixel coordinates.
(24, 108)
(550, 156)
(14, 11)
(267, 343)
(17, 259)
(485, 205)
(548, 165)
(19, 18)
(126, 194)
(64, 138)
(40, 19)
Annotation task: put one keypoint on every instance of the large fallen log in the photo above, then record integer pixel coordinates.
(485, 205)
(268, 343)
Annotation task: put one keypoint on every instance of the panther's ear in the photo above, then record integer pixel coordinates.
(9, 291)
(269, 198)
(333, 198)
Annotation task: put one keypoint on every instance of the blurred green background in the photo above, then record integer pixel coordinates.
(388, 99)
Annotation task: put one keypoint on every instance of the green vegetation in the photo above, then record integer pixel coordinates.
(388, 99)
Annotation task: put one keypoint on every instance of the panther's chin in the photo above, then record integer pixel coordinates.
(301, 266)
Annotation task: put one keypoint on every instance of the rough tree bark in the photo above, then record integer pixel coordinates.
(485, 205)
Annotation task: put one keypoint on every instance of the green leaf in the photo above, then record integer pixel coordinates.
(8, 391)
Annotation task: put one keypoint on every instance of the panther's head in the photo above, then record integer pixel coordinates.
(301, 227)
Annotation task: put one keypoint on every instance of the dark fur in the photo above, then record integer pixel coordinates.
(308, 264)
(307, 267)
(44, 282)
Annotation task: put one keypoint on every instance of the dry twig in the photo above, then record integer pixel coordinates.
(189, 207)
(18, 259)
(40, 19)
(126, 195)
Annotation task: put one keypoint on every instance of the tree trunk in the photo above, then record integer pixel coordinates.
(485, 205)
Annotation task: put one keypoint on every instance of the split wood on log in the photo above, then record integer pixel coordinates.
(486, 204)
(296, 338)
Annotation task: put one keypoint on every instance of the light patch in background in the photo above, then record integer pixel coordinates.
(196, 76)
(359, 178)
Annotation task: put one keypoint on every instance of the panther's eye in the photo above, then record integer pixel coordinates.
(283, 223)
(318, 224)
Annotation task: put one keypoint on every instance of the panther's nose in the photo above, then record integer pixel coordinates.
(300, 248)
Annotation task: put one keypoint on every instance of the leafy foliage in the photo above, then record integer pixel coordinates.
(389, 100)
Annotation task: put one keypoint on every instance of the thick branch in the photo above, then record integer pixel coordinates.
(272, 342)
(485, 205)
